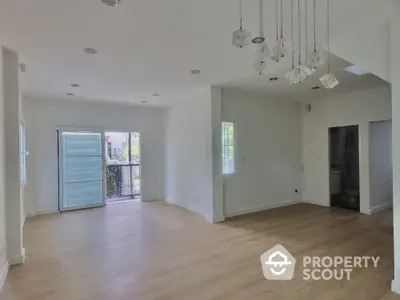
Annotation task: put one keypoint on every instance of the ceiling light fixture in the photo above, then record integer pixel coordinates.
(111, 2)
(302, 70)
(263, 52)
(75, 85)
(291, 76)
(309, 69)
(316, 58)
(91, 51)
(311, 62)
(281, 48)
(275, 55)
(241, 37)
(260, 38)
(195, 72)
(329, 80)
(300, 73)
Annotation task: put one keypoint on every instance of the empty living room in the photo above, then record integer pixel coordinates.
(201, 150)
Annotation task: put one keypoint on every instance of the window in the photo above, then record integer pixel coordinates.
(23, 152)
(228, 148)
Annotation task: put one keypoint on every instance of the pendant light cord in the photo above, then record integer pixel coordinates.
(241, 14)
(281, 19)
(277, 19)
(299, 27)
(315, 25)
(261, 18)
(328, 34)
(292, 33)
(306, 23)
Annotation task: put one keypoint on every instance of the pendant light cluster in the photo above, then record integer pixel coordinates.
(300, 69)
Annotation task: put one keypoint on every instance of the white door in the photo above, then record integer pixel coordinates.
(81, 169)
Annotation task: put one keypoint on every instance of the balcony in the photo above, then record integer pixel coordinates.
(123, 182)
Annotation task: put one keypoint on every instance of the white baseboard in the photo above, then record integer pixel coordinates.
(396, 286)
(314, 203)
(260, 208)
(17, 260)
(3, 274)
(30, 215)
(154, 200)
(380, 208)
(44, 212)
(215, 220)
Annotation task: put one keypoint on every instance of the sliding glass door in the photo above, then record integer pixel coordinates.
(81, 169)
(123, 166)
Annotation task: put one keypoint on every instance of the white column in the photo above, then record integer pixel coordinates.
(13, 199)
(395, 79)
(218, 181)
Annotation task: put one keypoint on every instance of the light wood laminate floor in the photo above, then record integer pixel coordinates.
(158, 251)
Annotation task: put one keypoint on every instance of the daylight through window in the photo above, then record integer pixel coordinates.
(228, 147)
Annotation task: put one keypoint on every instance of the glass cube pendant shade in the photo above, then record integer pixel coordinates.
(329, 80)
(241, 38)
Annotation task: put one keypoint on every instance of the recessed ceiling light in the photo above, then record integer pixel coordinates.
(273, 79)
(70, 94)
(195, 72)
(315, 88)
(111, 2)
(91, 51)
(75, 85)
(156, 95)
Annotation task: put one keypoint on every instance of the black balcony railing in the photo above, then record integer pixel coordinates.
(123, 181)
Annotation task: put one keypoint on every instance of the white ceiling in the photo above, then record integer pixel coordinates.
(281, 89)
(146, 46)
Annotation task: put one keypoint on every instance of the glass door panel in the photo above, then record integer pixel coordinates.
(81, 169)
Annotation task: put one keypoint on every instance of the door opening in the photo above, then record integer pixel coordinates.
(344, 167)
(123, 166)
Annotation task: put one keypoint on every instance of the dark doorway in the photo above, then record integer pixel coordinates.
(344, 167)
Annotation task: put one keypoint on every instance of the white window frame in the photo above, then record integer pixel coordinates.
(225, 170)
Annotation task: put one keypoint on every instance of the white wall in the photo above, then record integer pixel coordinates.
(357, 108)
(189, 180)
(3, 246)
(381, 167)
(395, 79)
(14, 205)
(42, 118)
(268, 152)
